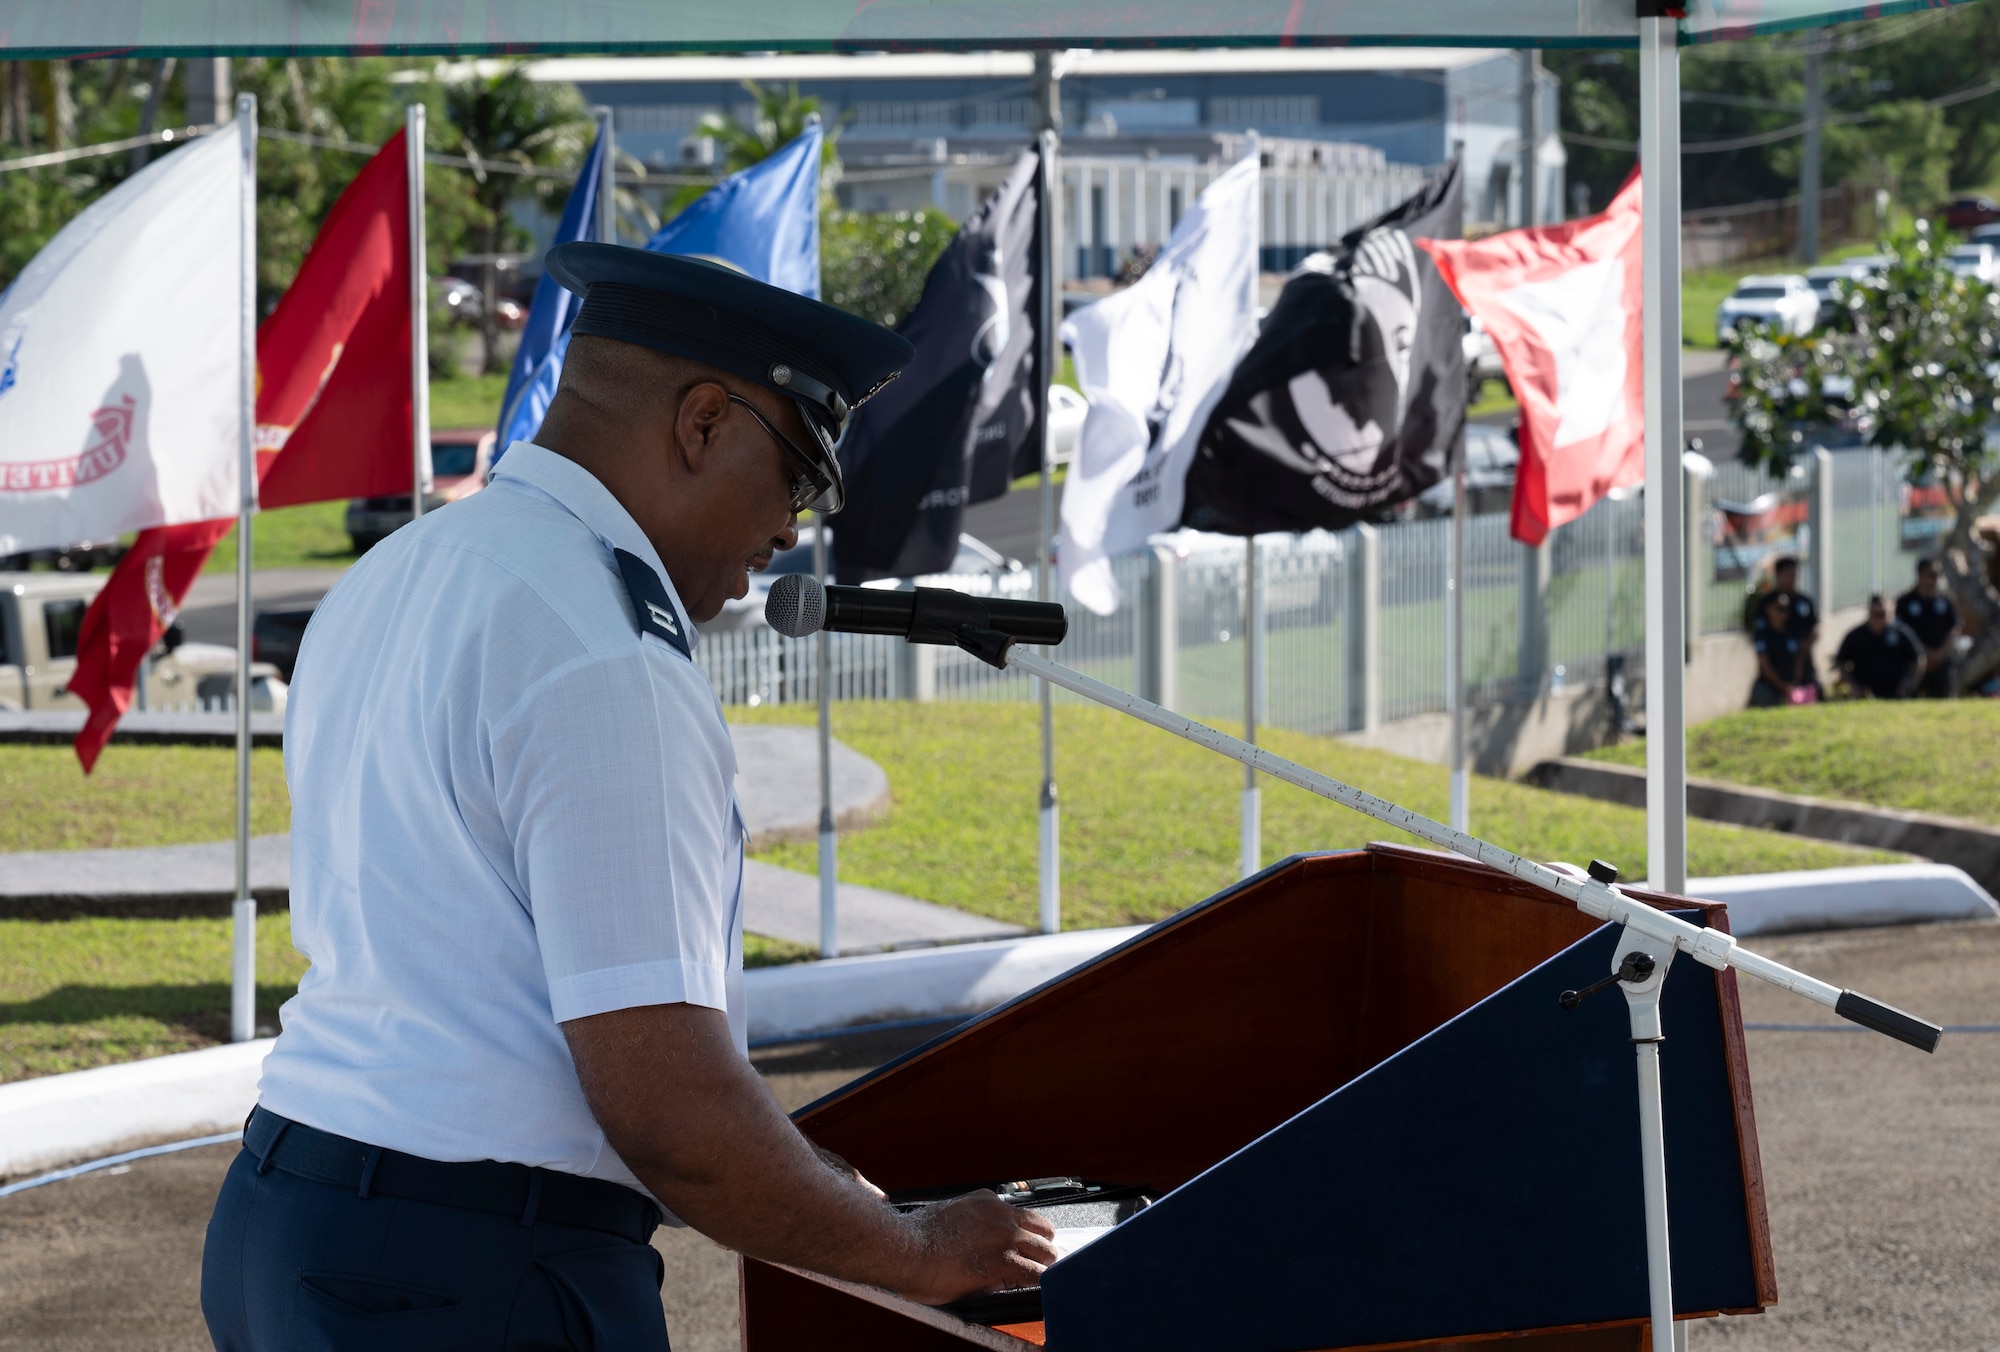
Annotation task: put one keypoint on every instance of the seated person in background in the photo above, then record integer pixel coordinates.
(1784, 661)
(1880, 659)
(1801, 617)
(1931, 616)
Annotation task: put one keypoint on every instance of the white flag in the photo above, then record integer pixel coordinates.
(1153, 360)
(121, 359)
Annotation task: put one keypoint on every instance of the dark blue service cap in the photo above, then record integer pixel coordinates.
(828, 362)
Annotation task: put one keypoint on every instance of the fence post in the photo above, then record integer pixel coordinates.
(1159, 629)
(1364, 630)
(1695, 504)
(1534, 628)
(1820, 514)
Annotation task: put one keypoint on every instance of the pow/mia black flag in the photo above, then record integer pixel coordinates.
(961, 423)
(1353, 397)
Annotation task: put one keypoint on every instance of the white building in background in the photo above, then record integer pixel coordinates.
(1347, 131)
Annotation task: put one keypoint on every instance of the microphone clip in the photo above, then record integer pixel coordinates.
(939, 615)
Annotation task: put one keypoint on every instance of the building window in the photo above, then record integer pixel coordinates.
(1144, 114)
(905, 113)
(674, 119)
(1001, 112)
(1289, 110)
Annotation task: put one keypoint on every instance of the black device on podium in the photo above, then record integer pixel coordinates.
(1355, 1112)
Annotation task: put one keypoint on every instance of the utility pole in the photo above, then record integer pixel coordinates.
(1809, 189)
(1531, 71)
(209, 98)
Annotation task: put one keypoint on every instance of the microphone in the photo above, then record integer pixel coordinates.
(798, 605)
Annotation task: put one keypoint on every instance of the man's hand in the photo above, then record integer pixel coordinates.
(689, 1116)
(979, 1243)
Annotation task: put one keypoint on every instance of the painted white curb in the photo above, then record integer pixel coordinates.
(1846, 898)
(62, 1119)
(817, 997)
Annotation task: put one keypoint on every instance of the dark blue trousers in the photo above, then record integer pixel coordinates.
(292, 1265)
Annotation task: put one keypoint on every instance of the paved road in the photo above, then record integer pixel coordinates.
(209, 615)
(1879, 1163)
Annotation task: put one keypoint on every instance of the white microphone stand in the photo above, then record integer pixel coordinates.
(1639, 963)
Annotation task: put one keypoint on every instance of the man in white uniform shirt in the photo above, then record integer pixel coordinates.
(516, 871)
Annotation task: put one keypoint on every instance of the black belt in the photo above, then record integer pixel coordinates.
(517, 1190)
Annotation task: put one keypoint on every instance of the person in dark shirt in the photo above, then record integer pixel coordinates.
(1801, 618)
(1784, 659)
(1881, 659)
(1930, 615)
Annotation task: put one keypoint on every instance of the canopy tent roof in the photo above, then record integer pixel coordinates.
(495, 27)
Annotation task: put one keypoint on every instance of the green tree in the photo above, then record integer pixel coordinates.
(507, 119)
(1905, 149)
(874, 264)
(1912, 357)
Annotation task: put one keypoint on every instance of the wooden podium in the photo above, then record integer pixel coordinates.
(1367, 1119)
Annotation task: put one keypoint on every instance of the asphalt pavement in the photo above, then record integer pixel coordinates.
(1879, 1164)
(209, 613)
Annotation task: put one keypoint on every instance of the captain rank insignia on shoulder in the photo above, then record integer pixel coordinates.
(651, 606)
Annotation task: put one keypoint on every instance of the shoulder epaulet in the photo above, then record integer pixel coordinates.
(652, 609)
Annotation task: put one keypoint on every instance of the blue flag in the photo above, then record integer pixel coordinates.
(549, 314)
(763, 221)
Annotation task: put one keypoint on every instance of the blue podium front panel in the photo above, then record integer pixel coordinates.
(1484, 1179)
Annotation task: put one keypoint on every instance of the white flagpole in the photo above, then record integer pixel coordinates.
(420, 319)
(1251, 831)
(1048, 115)
(1454, 653)
(1660, 170)
(607, 177)
(243, 968)
(829, 843)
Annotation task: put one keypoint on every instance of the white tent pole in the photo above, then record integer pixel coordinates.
(1454, 653)
(1251, 832)
(243, 968)
(1666, 744)
(1666, 747)
(829, 844)
(1048, 119)
(420, 319)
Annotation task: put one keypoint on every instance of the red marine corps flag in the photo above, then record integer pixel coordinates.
(1563, 305)
(333, 421)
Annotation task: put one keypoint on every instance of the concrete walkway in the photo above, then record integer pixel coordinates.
(777, 784)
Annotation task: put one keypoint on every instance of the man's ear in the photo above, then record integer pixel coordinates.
(698, 423)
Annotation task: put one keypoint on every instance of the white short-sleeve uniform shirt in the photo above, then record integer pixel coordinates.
(512, 806)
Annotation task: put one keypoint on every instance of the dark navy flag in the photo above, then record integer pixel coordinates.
(961, 423)
(550, 313)
(1353, 398)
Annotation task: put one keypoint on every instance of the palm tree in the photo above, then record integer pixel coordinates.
(508, 119)
(780, 118)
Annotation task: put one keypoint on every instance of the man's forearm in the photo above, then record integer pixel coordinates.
(691, 1118)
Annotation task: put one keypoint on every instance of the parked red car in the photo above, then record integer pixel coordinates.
(1962, 213)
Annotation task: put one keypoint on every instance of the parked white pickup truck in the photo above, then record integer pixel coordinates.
(41, 615)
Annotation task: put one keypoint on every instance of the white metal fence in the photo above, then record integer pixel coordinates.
(1354, 622)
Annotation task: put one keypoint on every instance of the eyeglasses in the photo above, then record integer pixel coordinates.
(812, 485)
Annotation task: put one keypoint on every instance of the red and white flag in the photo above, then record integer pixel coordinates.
(333, 421)
(1563, 304)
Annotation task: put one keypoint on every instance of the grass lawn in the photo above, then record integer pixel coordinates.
(138, 795)
(315, 535)
(1150, 822)
(81, 993)
(1939, 756)
(1149, 826)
